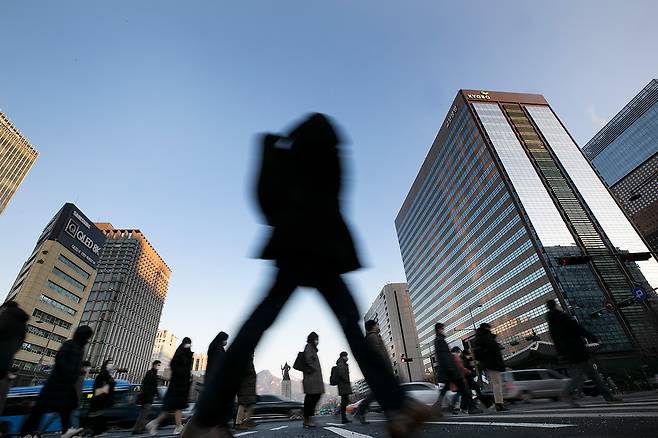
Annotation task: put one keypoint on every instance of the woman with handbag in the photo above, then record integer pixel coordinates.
(102, 398)
(313, 383)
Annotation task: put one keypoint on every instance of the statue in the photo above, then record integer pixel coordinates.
(286, 384)
(286, 371)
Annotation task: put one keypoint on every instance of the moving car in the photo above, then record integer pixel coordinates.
(274, 406)
(535, 383)
(423, 392)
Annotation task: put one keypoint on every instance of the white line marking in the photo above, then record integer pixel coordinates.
(591, 408)
(572, 415)
(346, 433)
(336, 424)
(245, 433)
(279, 428)
(481, 423)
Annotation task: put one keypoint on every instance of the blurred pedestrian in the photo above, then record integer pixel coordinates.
(568, 336)
(487, 353)
(13, 326)
(380, 353)
(102, 397)
(247, 398)
(176, 397)
(59, 394)
(79, 386)
(449, 372)
(466, 404)
(312, 382)
(216, 350)
(146, 397)
(299, 186)
(344, 385)
(471, 383)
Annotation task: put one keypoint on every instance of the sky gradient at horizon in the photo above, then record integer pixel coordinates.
(145, 115)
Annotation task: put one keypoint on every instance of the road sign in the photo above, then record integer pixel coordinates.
(639, 294)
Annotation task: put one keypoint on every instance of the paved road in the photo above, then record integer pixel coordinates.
(636, 417)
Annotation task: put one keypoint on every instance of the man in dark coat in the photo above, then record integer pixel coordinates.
(216, 350)
(344, 385)
(298, 191)
(448, 372)
(487, 352)
(13, 325)
(568, 337)
(146, 397)
(59, 393)
(247, 398)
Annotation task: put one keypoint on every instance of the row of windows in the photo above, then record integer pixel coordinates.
(72, 281)
(56, 304)
(45, 333)
(47, 317)
(77, 269)
(38, 349)
(63, 292)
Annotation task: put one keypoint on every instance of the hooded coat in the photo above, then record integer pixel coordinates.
(344, 386)
(13, 325)
(309, 234)
(447, 370)
(59, 391)
(487, 350)
(181, 378)
(216, 351)
(247, 391)
(568, 336)
(376, 345)
(149, 388)
(312, 381)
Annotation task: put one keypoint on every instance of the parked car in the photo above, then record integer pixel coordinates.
(536, 383)
(274, 406)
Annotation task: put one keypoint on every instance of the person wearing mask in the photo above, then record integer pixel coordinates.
(247, 398)
(146, 396)
(175, 399)
(102, 397)
(13, 326)
(312, 382)
(216, 350)
(449, 372)
(344, 385)
(378, 350)
(471, 383)
(487, 353)
(568, 336)
(59, 392)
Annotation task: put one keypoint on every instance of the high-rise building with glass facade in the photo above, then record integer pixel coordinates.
(505, 214)
(625, 154)
(16, 159)
(126, 300)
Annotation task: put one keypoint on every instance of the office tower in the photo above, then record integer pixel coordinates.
(125, 303)
(17, 156)
(505, 214)
(625, 154)
(392, 310)
(53, 285)
(164, 347)
(199, 363)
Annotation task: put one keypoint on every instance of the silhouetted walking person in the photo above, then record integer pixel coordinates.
(102, 397)
(247, 398)
(568, 337)
(13, 326)
(147, 396)
(216, 350)
(298, 191)
(344, 385)
(487, 353)
(313, 383)
(59, 392)
(178, 392)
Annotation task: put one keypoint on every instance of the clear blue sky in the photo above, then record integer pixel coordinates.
(145, 115)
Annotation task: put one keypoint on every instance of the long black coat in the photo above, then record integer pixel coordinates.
(60, 388)
(344, 386)
(216, 352)
(568, 336)
(12, 334)
(181, 378)
(105, 400)
(247, 391)
(309, 234)
(149, 388)
(487, 351)
(447, 370)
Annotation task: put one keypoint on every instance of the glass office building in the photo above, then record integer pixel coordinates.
(505, 214)
(625, 154)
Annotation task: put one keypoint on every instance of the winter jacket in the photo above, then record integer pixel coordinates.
(247, 391)
(216, 351)
(178, 391)
(309, 235)
(568, 336)
(12, 334)
(103, 400)
(460, 365)
(376, 346)
(149, 388)
(447, 370)
(487, 351)
(312, 382)
(59, 391)
(344, 386)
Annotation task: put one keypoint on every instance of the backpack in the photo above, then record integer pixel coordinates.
(333, 378)
(275, 177)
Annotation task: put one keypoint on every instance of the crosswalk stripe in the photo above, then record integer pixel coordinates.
(346, 433)
(572, 415)
(279, 428)
(245, 433)
(505, 424)
(592, 409)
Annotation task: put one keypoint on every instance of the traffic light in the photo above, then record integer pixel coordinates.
(573, 260)
(404, 358)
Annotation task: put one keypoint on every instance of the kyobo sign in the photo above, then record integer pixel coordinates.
(482, 95)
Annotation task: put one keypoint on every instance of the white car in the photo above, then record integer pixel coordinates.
(423, 392)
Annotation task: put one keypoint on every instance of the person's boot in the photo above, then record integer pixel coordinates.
(500, 407)
(193, 429)
(404, 422)
(308, 422)
(361, 417)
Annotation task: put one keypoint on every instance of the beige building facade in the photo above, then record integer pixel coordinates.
(17, 156)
